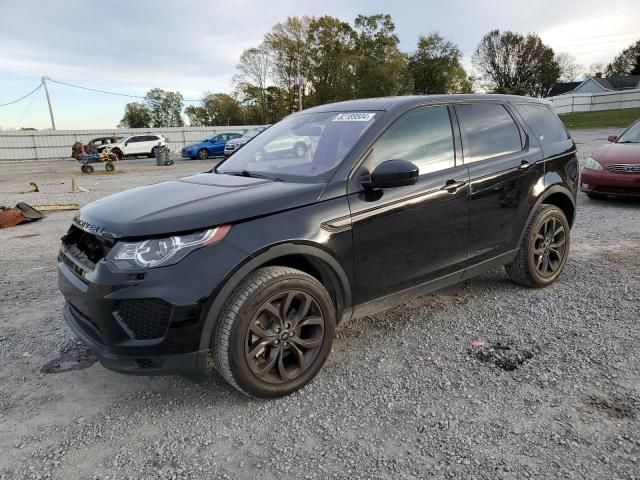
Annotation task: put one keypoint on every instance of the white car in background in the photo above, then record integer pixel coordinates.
(136, 145)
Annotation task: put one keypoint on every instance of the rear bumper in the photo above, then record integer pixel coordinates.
(609, 183)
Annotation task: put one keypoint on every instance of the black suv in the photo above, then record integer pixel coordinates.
(258, 260)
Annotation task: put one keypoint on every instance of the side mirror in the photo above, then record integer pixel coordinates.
(393, 173)
(126, 144)
(612, 138)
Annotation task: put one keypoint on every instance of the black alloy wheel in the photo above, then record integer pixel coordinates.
(549, 247)
(275, 332)
(284, 337)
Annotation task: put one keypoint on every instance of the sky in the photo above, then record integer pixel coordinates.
(193, 46)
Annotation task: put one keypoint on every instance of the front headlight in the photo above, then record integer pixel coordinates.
(591, 164)
(158, 252)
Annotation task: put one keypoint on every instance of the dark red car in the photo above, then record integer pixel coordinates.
(615, 168)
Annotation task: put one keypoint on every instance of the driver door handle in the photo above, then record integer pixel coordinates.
(452, 185)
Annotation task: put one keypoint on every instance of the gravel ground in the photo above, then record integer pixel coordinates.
(482, 380)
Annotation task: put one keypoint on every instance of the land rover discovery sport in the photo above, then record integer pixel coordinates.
(255, 263)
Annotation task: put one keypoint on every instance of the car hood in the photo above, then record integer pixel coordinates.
(192, 203)
(618, 153)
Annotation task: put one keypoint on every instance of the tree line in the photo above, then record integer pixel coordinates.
(308, 61)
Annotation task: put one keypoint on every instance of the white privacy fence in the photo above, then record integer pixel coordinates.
(591, 102)
(56, 144)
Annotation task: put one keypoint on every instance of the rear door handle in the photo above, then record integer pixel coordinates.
(452, 185)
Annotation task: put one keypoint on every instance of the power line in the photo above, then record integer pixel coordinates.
(23, 97)
(28, 107)
(113, 93)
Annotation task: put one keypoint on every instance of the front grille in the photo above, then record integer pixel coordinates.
(87, 248)
(86, 325)
(229, 147)
(627, 168)
(143, 319)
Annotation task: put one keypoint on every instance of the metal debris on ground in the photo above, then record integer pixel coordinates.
(21, 213)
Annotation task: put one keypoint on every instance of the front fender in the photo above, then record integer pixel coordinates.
(263, 257)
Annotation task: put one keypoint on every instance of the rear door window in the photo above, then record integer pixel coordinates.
(488, 130)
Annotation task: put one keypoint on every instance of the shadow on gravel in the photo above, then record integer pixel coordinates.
(73, 356)
(503, 354)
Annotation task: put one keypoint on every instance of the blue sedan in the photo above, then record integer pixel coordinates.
(210, 147)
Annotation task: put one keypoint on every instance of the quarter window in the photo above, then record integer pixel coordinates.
(547, 127)
(488, 130)
(422, 136)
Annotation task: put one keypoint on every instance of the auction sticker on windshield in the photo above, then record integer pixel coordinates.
(354, 117)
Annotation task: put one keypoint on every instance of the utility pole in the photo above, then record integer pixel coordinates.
(44, 82)
(299, 88)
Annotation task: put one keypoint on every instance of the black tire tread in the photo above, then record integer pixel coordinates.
(222, 332)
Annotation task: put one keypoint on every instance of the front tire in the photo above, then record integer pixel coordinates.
(274, 333)
(544, 249)
(119, 155)
(203, 154)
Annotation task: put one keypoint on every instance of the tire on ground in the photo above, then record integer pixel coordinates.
(228, 340)
(522, 269)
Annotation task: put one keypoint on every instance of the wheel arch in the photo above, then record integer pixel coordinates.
(308, 258)
(559, 196)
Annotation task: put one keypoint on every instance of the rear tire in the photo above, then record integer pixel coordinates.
(544, 249)
(274, 333)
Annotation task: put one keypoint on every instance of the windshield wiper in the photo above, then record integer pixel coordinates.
(627, 141)
(247, 173)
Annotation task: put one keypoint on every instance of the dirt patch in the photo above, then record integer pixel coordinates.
(504, 354)
(73, 356)
(612, 406)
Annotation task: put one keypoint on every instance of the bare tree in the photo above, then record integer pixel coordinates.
(513, 63)
(570, 70)
(255, 68)
(592, 70)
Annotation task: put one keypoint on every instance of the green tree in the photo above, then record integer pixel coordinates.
(330, 44)
(165, 108)
(136, 115)
(216, 109)
(626, 63)
(379, 64)
(435, 67)
(513, 63)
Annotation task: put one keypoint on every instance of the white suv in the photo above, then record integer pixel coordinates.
(136, 145)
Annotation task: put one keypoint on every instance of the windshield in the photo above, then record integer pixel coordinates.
(302, 147)
(632, 135)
